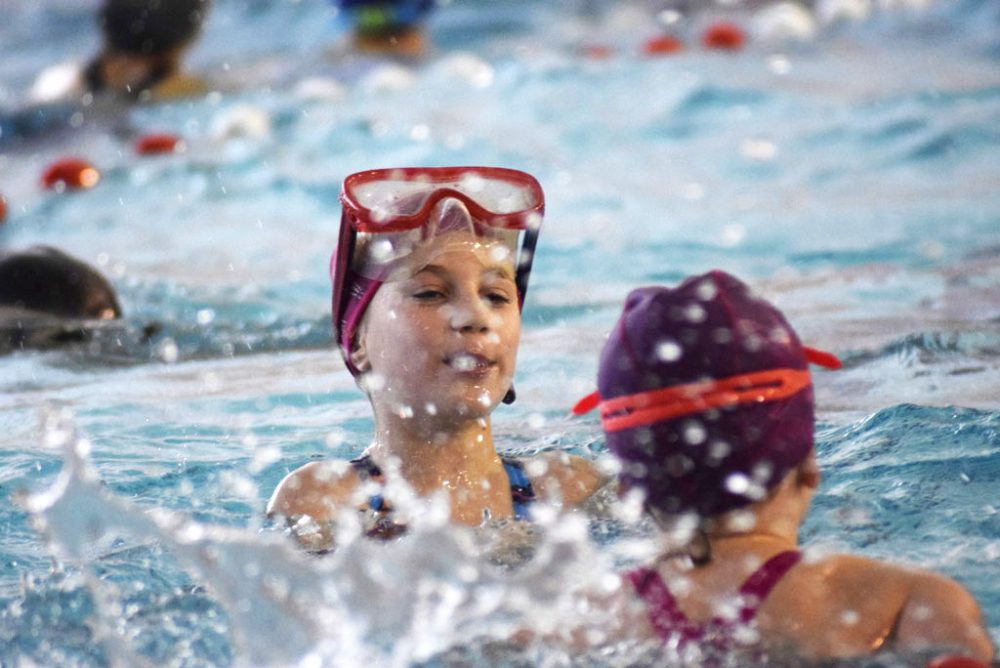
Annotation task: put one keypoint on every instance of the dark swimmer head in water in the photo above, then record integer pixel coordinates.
(144, 41)
(44, 296)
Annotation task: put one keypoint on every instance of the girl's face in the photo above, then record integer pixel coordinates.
(439, 339)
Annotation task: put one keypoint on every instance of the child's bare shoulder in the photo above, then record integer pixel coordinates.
(845, 577)
(848, 573)
(317, 490)
(570, 479)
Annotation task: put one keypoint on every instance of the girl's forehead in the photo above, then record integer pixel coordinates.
(459, 251)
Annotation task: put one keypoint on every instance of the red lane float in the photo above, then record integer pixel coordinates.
(159, 143)
(598, 51)
(70, 174)
(3, 209)
(723, 36)
(956, 661)
(663, 45)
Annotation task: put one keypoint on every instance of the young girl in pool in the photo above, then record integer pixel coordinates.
(706, 399)
(428, 283)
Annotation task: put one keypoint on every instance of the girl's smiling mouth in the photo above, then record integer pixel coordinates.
(470, 363)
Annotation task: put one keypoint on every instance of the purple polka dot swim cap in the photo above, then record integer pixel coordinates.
(705, 395)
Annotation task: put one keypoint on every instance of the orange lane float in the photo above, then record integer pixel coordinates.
(663, 45)
(70, 174)
(3, 209)
(723, 36)
(159, 143)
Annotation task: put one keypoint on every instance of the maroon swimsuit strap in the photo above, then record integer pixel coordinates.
(669, 621)
(762, 581)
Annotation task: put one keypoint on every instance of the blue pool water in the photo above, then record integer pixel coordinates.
(853, 179)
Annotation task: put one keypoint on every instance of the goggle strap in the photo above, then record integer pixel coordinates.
(586, 404)
(645, 408)
(822, 358)
(524, 262)
(345, 251)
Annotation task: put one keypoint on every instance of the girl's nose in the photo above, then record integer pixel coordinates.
(470, 316)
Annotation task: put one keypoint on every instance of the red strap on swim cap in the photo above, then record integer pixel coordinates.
(586, 404)
(813, 355)
(645, 408)
(822, 358)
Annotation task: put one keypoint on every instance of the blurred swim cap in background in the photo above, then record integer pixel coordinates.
(151, 26)
(384, 16)
(705, 395)
(46, 280)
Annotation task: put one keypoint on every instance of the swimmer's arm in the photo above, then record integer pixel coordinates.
(939, 612)
(564, 479)
(309, 499)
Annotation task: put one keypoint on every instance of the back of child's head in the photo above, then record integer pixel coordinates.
(705, 393)
(148, 27)
(47, 280)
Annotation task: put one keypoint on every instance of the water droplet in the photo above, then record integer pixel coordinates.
(695, 313)
(694, 432)
(737, 483)
(167, 350)
(669, 350)
(760, 150)
(706, 290)
(779, 64)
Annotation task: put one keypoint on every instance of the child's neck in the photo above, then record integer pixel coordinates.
(774, 520)
(430, 458)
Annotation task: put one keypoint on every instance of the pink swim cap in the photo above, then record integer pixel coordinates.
(705, 395)
(359, 292)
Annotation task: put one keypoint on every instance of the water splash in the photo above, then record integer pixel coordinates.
(390, 604)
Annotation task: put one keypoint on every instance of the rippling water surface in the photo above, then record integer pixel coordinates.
(853, 180)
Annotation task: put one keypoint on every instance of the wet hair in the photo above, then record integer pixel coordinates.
(148, 27)
(47, 280)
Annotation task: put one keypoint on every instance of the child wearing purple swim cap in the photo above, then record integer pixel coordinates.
(706, 400)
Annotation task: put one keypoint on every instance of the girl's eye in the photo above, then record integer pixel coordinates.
(498, 298)
(428, 294)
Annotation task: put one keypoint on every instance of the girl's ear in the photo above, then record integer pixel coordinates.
(359, 356)
(809, 474)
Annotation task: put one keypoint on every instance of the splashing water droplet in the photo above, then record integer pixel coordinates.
(737, 483)
(167, 351)
(695, 313)
(669, 350)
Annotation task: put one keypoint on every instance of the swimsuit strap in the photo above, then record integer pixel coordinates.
(664, 614)
(762, 581)
(369, 470)
(521, 492)
(670, 622)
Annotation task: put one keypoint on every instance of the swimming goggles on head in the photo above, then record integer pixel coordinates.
(389, 213)
(646, 408)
